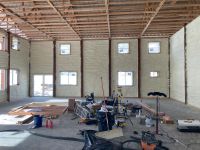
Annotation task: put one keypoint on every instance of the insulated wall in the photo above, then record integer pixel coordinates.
(177, 77)
(96, 65)
(193, 62)
(3, 65)
(125, 63)
(20, 61)
(190, 74)
(41, 59)
(68, 63)
(95, 58)
(154, 63)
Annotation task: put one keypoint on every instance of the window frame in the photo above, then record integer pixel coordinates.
(158, 74)
(3, 41)
(5, 80)
(18, 74)
(125, 85)
(123, 52)
(68, 78)
(159, 47)
(14, 37)
(60, 52)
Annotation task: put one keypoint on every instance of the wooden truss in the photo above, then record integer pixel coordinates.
(95, 19)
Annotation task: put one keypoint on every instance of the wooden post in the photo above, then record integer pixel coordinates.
(54, 68)
(8, 70)
(139, 67)
(169, 67)
(81, 54)
(110, 67)
(29, 71)
(185, 63)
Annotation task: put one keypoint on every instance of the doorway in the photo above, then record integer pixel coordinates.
(43, 85)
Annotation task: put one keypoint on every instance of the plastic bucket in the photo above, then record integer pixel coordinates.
(37, 121)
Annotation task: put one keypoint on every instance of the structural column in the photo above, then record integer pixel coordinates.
(29, 73)
(8, 70)
(139, 67)
(169, 67)
(110, 67)
(81, 54)
(54, 68)
(185, 64)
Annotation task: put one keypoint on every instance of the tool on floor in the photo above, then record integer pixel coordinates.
(149, 142)
(157, 94)
(121, 110)
(104, 103)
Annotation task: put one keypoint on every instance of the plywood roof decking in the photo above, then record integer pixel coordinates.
(82, 19)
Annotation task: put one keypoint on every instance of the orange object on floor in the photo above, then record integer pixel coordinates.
(167, 120)
(146, 146)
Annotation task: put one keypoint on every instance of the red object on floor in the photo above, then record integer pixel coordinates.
(49, 123)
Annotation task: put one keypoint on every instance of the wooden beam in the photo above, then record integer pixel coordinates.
(54, 68)
(60, 15)
(139, 67)
(169, 67)
(110, 66)
(29, 71)
(18, 17)
(185, 64)
(82, 71)
(8, 70)
(153, 16)
(108, 16)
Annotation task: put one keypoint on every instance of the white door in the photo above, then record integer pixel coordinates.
(43, 85)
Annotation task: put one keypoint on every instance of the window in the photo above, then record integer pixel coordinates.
(14, 77)
(125, 78)
(65, 49)
(123, 48)
(2, 43)
(154, 74)
(154, 47)
(15, 43)
(68, 78)
(2, 79)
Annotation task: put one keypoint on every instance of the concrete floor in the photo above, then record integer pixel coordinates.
(66, 127)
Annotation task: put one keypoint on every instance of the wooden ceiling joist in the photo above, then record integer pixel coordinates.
(152, 17)
(95, 19)
(108, 16)
(60, 15)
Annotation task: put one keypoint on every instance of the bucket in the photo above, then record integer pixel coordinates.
(149, 122)
(37, 121)
(102, 122)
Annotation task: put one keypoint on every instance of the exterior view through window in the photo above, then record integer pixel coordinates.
(125, 78)
(68, 78)
(2, 79)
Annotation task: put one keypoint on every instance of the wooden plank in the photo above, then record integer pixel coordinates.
(153, 16)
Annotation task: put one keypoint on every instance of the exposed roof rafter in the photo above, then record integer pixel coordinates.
(96, 19)
(61, 16)
(18, 17)
(108, 16)
(152, 17)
